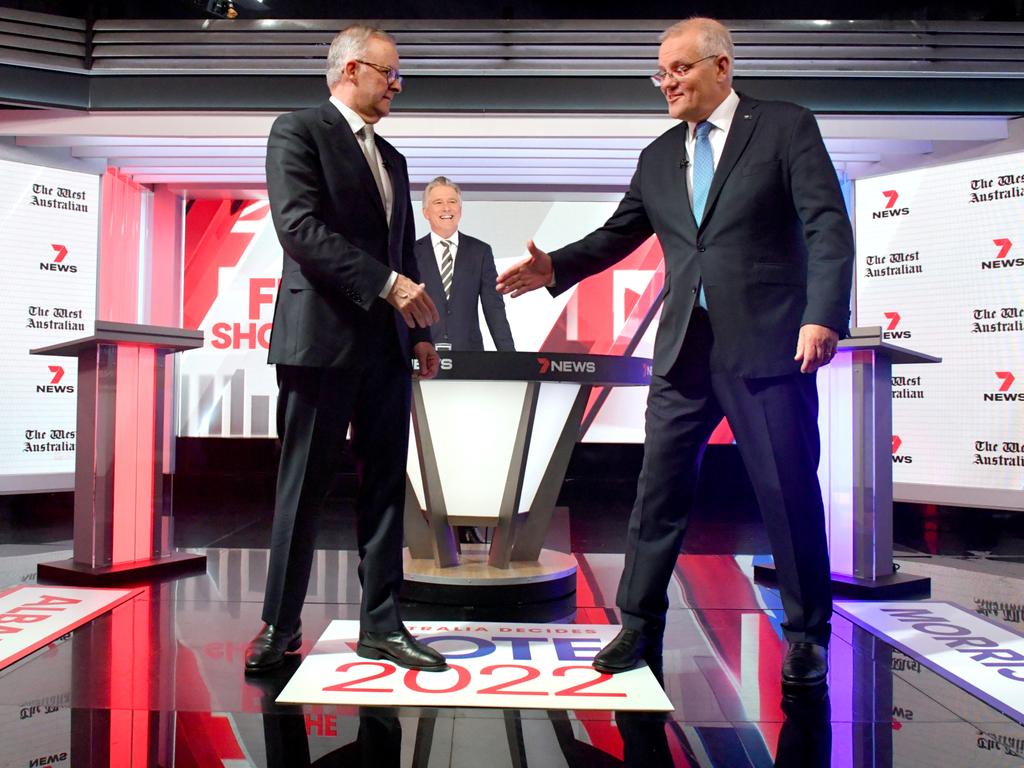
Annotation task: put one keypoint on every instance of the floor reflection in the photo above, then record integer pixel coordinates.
(158, 681)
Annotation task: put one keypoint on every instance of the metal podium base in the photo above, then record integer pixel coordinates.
(475, 583)
(897, 586)
(79, 575)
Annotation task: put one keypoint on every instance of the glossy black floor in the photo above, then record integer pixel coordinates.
(158, 680)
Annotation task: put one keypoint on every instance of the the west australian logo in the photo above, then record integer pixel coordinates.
(891, 209)
(1003, 260)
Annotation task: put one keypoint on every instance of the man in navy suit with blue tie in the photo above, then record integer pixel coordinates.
(758, 270)
(459, 273)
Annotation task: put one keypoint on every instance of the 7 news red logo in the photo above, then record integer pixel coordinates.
(890, 210)
(901, 458)
(1004, 244)
(58, 265)
(1003, 394)
(890, 331)
(566, 366)
(55, 387)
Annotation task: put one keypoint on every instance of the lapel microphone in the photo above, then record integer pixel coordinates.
(684, 162)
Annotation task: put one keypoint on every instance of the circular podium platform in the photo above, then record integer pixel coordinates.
(475, 582)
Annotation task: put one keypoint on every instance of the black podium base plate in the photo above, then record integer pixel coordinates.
(897, 586)
(78, 575)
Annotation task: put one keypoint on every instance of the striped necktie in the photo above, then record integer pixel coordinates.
(447, 268)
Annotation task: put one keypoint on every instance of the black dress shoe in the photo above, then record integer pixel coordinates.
(469, 535)
(267, 649)
(401, 648)
(625, 651)
(805, 665)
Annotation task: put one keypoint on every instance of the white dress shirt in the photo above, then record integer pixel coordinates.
(721, 119)
(356, 123)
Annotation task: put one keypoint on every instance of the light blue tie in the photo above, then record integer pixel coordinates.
(703, 173)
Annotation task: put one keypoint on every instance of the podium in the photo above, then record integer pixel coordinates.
(494, 432)
(123, 527)
(855, 472)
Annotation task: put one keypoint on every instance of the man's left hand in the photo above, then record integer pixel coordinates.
(815, 347)
(428, 359)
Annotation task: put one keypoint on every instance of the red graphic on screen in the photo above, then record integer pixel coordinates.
(892, 196)
(544, 364)
(896, 443)
(61, 250)
(1007, 378)
(1005, 244)
(58, 373)
(894, 320)
(211, 243)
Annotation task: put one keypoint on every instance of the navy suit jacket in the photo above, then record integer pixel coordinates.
(774, 249)
(474, 278)
(338, 248)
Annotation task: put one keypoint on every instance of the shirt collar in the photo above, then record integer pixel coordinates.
(355, 122)
(722, 116)
(435, 239)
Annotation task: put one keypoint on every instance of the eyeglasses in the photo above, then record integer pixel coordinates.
(391, 75)
(678, 71)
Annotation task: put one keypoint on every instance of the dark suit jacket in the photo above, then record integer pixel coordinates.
(775, 247)
(474, 278)
(338, 248)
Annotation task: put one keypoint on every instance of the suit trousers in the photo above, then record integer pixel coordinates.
(775, 423)
(315, 408)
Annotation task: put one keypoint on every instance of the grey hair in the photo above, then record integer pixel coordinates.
(347, 45)
(440, 181)
(713, 37)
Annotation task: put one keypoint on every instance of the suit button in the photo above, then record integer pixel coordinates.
(693, 290)
(701, 248)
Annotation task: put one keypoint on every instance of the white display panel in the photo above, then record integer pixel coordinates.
(49, 218)
(940, 266)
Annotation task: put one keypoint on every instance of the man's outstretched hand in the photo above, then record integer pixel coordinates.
(531, 273)
(413, 302)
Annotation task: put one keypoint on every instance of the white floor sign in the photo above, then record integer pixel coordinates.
(974, 653)
(520, 666)
(32, 617)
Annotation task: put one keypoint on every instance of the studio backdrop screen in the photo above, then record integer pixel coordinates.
(940, 266)
(233, 265)
(47, 295)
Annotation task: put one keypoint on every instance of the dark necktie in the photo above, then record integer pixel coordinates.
(447, 268)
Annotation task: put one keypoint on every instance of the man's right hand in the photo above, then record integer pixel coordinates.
(531, 273)
(413, 302)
